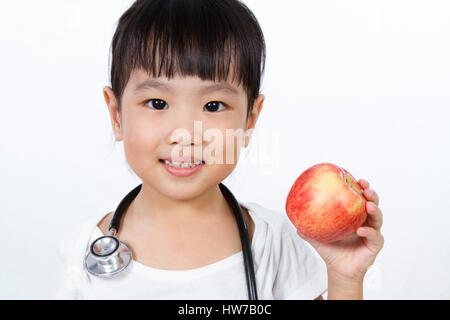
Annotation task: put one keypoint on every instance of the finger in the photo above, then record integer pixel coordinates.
(371, 195)
(364, 183)
(374, 216)
(374, 240)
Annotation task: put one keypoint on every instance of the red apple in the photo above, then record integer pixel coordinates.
(326, 203)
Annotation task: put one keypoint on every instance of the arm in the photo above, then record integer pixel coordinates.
(343, 291)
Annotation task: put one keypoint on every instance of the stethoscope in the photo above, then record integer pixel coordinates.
(108, 256)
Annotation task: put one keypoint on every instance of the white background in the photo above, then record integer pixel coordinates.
(362, 84)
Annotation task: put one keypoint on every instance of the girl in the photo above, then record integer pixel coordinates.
(184, 73)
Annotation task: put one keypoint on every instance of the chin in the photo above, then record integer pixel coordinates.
(190, 187)
(182, 191)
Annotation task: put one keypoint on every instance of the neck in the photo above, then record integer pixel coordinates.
(151, 204)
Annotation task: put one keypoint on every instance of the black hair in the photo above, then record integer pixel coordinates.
(204, 38)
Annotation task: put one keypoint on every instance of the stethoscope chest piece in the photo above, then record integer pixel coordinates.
(107, 257)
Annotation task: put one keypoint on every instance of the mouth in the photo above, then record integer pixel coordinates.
(181, 164)
(182, 169)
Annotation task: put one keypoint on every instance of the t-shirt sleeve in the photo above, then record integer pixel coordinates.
(301, 273)
(64, 278)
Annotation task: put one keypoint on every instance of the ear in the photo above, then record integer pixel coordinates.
(111, 103)
(253, 117)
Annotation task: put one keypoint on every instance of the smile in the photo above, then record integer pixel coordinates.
(176, 164)
(182, 169)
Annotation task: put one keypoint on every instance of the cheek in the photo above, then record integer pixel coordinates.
(223, 145)
(140, 143)
(233, 142)
(233, 145)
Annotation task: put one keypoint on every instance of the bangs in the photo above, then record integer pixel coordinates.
(185, 54)
(214, 40)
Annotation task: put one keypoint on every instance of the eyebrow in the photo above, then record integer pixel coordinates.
(154, 83)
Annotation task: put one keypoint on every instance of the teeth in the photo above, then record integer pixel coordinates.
(182, 164)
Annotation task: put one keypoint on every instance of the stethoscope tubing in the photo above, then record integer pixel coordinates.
(243, 233)
(246, 250)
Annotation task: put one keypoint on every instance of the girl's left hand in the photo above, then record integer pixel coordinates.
(350, 258)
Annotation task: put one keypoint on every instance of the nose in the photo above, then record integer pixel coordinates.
(185, 128)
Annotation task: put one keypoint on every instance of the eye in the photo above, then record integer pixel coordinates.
(214, 106)
(157, 104)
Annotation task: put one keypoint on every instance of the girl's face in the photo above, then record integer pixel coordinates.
(182, 117)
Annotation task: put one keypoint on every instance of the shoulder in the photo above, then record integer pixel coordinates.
(71, 249)
(276, 240)
(271, 220)
(273, 231)
(286, 263)
(73, 244)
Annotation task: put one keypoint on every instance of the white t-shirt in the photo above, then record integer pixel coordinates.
(286, 267)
